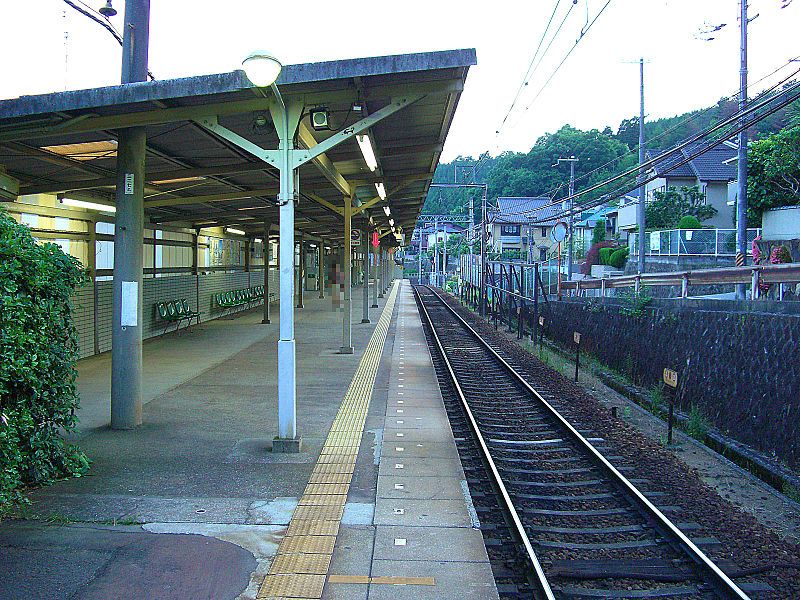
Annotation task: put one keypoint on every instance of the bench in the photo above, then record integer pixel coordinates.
(176, 311)
(249, 297)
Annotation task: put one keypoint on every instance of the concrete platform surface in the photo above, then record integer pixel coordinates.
(423, 541)
(193, 504)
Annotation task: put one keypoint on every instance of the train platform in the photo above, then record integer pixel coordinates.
(193, 504)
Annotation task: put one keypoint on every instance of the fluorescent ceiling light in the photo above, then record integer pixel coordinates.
(85, 150)
(391, 222)
(381, 191)
(258, 240)
(236, 231)
(387, 211)
(366, 149)
(89, 205)
(178, 180)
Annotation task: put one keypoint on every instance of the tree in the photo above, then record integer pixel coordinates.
(773, 177)
(599, 231)
(667, 208)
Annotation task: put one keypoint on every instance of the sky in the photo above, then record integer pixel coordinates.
(48, 46)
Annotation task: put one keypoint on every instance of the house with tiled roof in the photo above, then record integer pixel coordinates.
(714, 172)
(523, 223)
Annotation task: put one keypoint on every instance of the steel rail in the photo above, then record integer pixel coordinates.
(722, 581)
(520, 528)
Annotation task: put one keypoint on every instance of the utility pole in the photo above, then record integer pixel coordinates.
(444, 259)
(640, 212)
(571, 160)
(741, 159)
(436, 252)
(419, 256)
(126, 330)
(483, 255)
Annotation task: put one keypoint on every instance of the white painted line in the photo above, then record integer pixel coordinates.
(399, 511)
(398, 465)
(400, 422)
(399, 411)
(399, 541)
(399, 434)
(399, 401)
(399, 486)
(399, 448)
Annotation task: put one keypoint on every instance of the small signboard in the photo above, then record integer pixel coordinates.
(671, 378)
(576, 337)
(376, 239)
(355, 237)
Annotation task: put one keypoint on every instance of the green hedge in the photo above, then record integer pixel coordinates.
(38, 349)
(618, 258)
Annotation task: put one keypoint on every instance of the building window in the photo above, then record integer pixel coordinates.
(544, 231)
(509, 230)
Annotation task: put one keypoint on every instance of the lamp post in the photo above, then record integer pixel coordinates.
(262, 68)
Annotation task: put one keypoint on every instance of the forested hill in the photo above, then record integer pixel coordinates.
(533, 173)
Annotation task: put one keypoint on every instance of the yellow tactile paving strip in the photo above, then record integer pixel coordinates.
(304, 555)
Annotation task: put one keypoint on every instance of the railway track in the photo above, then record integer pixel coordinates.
(584, 529)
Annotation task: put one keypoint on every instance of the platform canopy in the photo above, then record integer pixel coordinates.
(65, 143)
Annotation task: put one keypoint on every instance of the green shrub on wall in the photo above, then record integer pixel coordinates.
(618, 258)
(605, 255)
(38, 349)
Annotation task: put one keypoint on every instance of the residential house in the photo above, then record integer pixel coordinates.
(585, 223)
(429, 236)
(523, 224)
(714, 172)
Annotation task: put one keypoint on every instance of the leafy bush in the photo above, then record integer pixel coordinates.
(689, 222)
(618, 258)
(605, 254)
(593, 256)
(38, 349)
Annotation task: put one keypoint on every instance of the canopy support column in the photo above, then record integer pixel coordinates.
(126, 334)
(286, 119)
(321, 268)
(365, 269)
(347, 255)
(301, 272)
(266, 247)
(374, 276)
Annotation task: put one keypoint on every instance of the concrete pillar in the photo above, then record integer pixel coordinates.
(287, 389)
(347, 255)
(267, 227)
(301, 272)
(91, 251)
(321, 268)
(126, 334)
(365, 268)
(248, 248)
(374, 276)
(381, 276)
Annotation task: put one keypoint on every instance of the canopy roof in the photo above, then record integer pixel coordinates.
(66, 142)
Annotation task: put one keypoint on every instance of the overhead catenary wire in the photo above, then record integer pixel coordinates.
(529, 73)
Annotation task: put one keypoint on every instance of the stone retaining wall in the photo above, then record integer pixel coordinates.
(737, 362)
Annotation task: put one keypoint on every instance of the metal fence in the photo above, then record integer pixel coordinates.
(690, 242)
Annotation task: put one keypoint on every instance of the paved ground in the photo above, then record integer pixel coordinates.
(200, 464)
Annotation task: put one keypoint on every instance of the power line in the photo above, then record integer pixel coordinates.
(102, 22)
(552, 192)
(686, 143)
